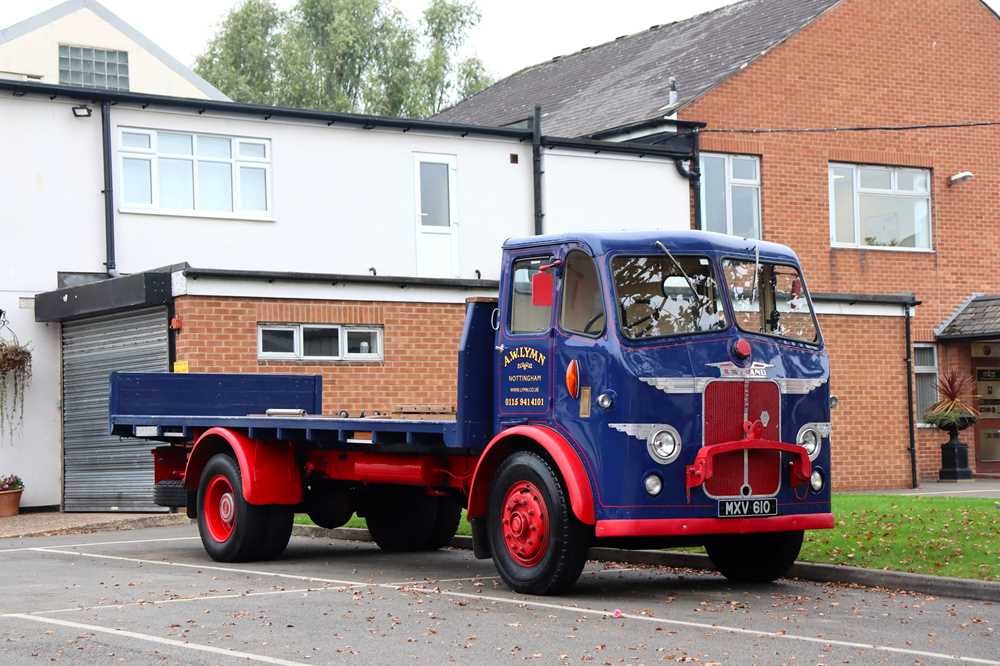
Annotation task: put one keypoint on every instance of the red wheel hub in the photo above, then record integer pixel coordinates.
(525, 523)
(220, 508)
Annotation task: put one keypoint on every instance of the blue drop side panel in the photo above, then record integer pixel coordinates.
(475, 377)
(197, 394)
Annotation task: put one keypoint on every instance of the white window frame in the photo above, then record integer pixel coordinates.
(372, 356)
(296, 341)
(299, 345)
(730, 182)
(858, 243)
(925, 370)
(235, 160)
(452, 162)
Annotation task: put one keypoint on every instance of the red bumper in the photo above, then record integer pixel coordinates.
(653, 527)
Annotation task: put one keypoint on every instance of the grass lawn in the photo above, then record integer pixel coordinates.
(930, 535)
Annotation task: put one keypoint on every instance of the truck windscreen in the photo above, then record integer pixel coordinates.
(655, 299)
(774, 302)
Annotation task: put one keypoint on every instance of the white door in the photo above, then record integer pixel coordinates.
(437, 215)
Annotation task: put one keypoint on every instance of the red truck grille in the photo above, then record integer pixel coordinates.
(724, 416)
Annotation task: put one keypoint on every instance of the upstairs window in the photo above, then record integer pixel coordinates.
(91, 67)
(730, 194)
(886, 208)
(195, 174)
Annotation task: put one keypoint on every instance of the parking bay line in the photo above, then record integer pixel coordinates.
(236, 654)
(583, 610)
(98, 543)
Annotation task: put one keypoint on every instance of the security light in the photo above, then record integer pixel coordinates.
(959, 177)
(82, 111)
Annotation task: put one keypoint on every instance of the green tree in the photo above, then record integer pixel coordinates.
(344, 55)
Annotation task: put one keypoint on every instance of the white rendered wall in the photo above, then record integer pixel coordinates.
(37, 53)
(602, 192)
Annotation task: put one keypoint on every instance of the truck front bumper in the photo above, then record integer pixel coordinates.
(655, 527)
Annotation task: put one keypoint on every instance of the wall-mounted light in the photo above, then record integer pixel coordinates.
(960, 177)
(82, 111)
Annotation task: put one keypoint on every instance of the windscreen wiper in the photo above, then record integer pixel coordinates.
(702, 301)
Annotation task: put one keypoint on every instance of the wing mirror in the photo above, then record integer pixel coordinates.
(543, 285)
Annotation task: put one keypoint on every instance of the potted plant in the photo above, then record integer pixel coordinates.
(15, 375)
(11, 488)
(953, 413)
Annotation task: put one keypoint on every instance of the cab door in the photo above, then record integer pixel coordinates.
(523, 360)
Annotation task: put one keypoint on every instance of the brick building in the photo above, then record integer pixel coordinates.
(894, 227)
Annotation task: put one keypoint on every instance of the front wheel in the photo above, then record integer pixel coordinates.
(537, 544)
(754, 558)
(231, 529)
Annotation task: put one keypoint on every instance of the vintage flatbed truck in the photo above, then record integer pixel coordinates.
(626, 389)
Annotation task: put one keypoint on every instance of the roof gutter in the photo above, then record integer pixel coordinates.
(650, 123)
(340, 278)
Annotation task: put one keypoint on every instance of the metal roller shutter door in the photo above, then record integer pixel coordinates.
(102, 472)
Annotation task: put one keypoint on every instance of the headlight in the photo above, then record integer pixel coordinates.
(653, 484)
(816, 481)
(811, 439)
(664, 445)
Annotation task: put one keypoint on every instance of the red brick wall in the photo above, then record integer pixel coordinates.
(878, 62)
(420, 339)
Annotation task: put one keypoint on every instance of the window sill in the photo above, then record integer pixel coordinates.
(318, 361)
(232, 217)
(879, 248)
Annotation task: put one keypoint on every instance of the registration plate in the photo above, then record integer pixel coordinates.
(747, 508)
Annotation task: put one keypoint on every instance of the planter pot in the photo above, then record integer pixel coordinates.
(10, 501)
(955, 454)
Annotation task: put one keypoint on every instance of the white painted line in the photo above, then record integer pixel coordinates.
(235, 654)
(181, 600)
(99, 543)
(435, 581)
(521, 601)
(204, 567)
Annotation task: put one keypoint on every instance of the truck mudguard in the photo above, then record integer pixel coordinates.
(269, 470)
(571, 468)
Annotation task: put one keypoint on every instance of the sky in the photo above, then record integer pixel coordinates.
(512, 34)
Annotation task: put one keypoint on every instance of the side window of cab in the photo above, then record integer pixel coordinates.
(525, 316)
(582, 310)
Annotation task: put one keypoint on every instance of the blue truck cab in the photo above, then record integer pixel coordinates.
(625, 389)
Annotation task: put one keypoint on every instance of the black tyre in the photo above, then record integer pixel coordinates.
(170, 492)
(231, 529)
(449, 515)
(538, 545)
(401, 519)
(754, 558)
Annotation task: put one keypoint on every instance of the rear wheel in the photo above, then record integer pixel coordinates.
(231, 529)
(754, 558)
(402, 519)
(449, 515)
(538, 545)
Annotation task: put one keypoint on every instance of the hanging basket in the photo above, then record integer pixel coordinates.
(15, 375)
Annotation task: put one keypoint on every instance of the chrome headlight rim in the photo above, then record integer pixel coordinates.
(819, 431)
(654, 451)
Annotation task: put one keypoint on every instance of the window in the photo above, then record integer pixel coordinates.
(658, 299)
(730, 194)
(880, 207)
(194, 174)
(325, 342)
(93, 68)
(771, 300)
(925, 369)
(525, 316)
(582, 300)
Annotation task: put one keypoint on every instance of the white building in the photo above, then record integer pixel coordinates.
(284, 233)
(82, 43)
